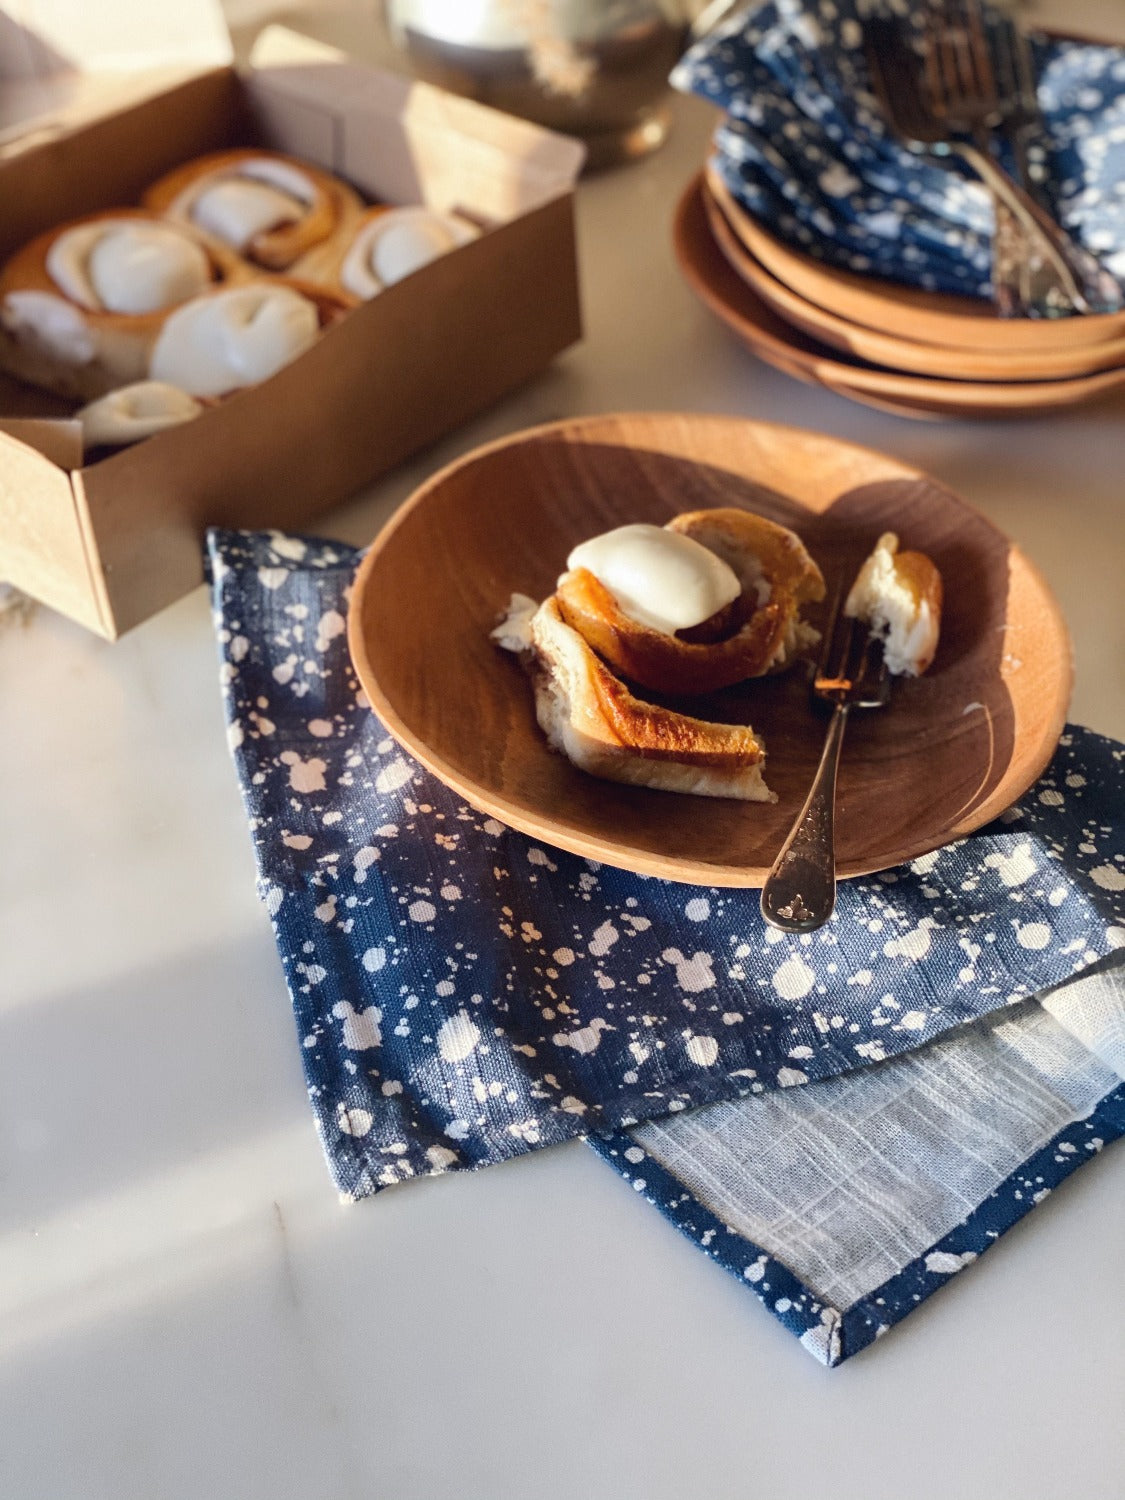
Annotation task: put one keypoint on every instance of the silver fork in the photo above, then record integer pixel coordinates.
(800, 890)
(1014, 65)
(959, 43)
(932, 102)
(969, 93)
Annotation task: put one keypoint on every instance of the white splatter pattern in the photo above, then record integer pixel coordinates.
(576, 995)
(804, 147)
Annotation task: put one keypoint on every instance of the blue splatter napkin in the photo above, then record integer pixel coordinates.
(804, 148)
(464, 994)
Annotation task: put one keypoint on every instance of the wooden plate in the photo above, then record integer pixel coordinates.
(907, 312)
(956, 748)
(779, 344)
(903, 354)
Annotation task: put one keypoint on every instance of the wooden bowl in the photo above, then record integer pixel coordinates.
(955, 748)
(908, 312)
(902, 354)
(779, 344)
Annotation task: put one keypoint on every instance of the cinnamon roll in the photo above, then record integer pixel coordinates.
(226, 340)
(386, 245)
(268, 208)
(592, 718)
(82, 305)
(708, 601)
(134, 412)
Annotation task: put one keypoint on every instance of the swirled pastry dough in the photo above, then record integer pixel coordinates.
(758, 631)
(392, 243)
(589, 715)
(268, 207)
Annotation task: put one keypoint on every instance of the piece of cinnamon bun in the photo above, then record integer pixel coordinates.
(899, 596)
(135, 412)
(591, 717)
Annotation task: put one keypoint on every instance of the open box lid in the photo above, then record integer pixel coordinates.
(64, 63)
(403, 141)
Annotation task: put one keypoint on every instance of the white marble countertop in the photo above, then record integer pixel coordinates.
(187, 1312)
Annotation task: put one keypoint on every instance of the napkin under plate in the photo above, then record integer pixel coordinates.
(464, 994)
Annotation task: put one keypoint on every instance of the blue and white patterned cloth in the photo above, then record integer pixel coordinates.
(464, 994)
(803, 147)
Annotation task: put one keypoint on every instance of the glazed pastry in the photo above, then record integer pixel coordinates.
(744, 578)
(899, 596)
(592, 718)
(135, 412)
(227, 340)
(388, 245)
(82, 305)
(270, 209)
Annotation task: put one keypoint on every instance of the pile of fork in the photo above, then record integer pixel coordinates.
(955, 79)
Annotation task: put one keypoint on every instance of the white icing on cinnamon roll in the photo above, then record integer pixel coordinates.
(257, 195)
(49, 324)
(236, 211)
(127, 266)
(135, 412)
(395, 243)
(234, 338)
(659, 578)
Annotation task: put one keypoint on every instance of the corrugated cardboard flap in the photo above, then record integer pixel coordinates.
(44, 545)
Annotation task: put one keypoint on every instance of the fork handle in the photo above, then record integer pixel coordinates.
(1015, 290)
(1096, 282)
(1054, 246)
(800, 890)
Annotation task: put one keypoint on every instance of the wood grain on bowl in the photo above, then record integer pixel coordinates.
(892, 351)
(909, 312)
(955, 748)
(772, 339)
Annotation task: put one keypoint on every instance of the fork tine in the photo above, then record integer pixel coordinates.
(858, 647)
(1023, 64)
(874, 679)
(944, 74)
(935, 88)
(839, 646)
(980, 52)
(1006, 66)
(880, 42)
(896, 70)
(963, 72)
(835, 665)
(833, 615)
(864, 667)
(956, 41)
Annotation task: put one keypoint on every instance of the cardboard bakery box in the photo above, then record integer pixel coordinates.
(111, 543)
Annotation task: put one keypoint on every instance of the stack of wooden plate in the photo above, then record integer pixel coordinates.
(920, 354)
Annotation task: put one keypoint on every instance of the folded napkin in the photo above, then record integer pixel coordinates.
(805, 150)
(464, 994)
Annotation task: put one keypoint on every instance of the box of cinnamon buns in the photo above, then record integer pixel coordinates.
(233, 296)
